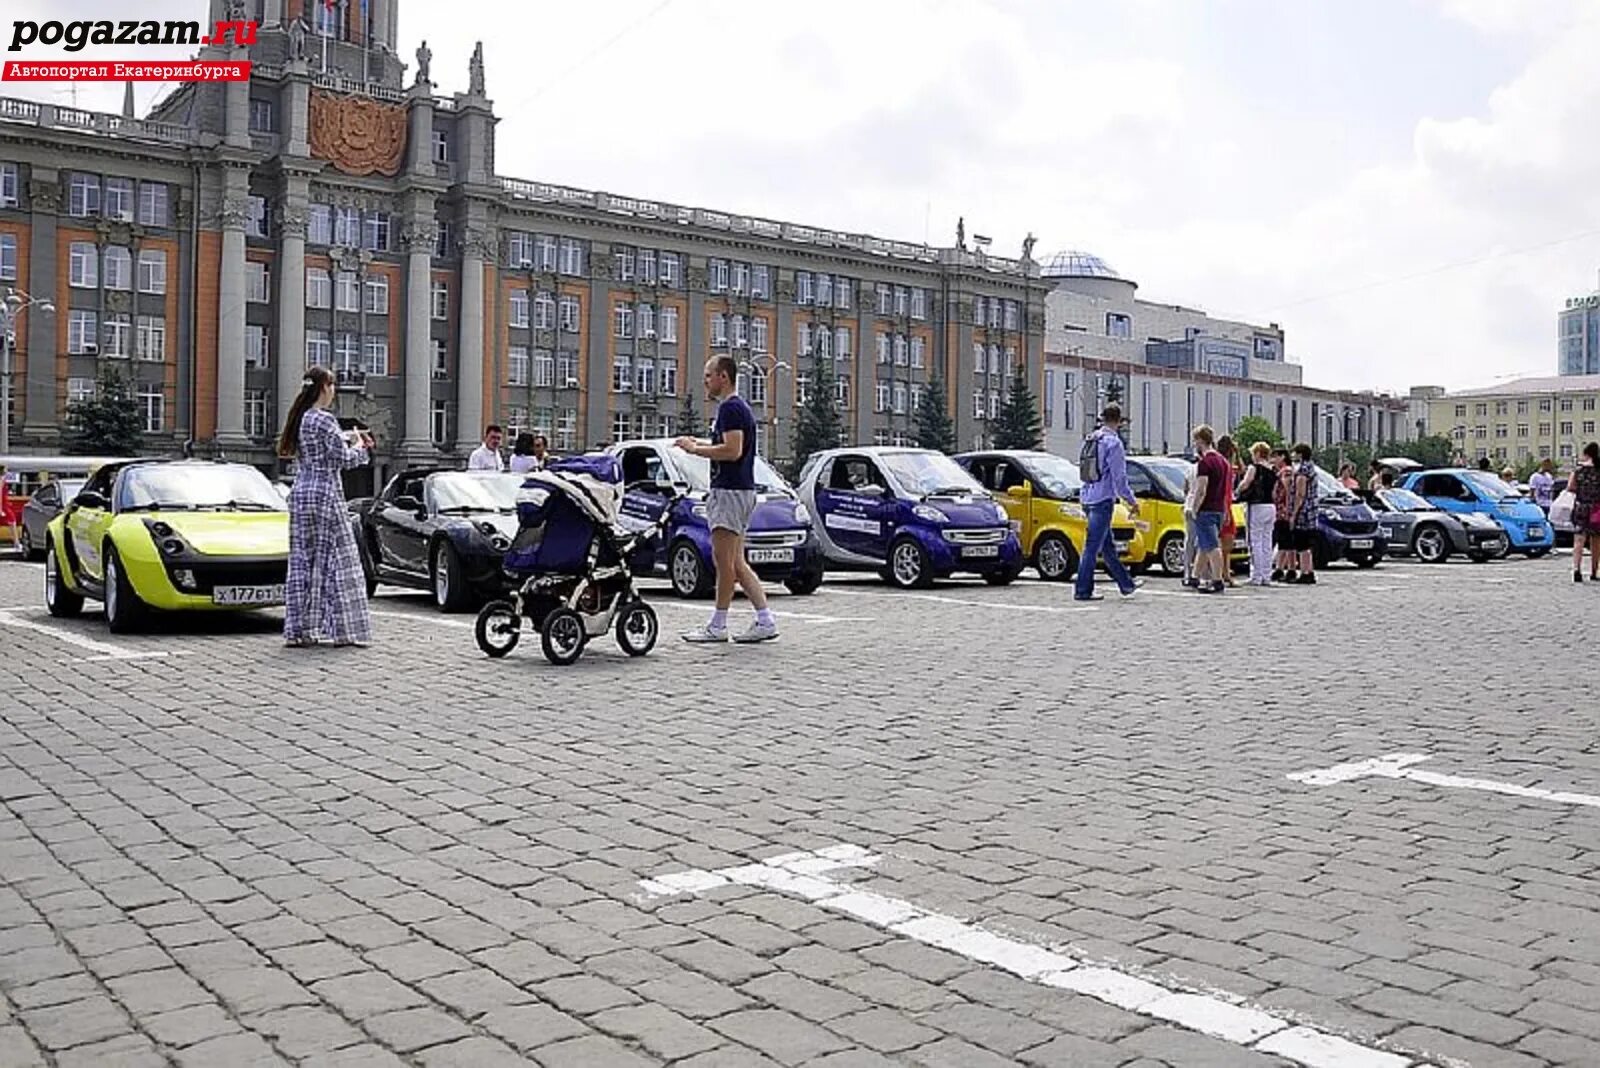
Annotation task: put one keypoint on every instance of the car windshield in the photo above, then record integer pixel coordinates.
(1057, 477)
(1403, 500)
(1329, 487)
(1491, 486)
(489, 492)
(925, 474)
(1170, 475)
(697, 472)
(69, 488)
(193, 487)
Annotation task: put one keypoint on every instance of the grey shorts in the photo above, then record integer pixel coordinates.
(730, 509)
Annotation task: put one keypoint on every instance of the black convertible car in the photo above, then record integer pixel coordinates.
(444, 531)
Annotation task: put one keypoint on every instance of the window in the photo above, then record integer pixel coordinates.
(1588, 404)
(717, 276)
(740, 282)
(441, 358)
(669, 324)
(1566, 404)
(83, 195)
(517, 365)
(152, 339)
(1461, 410)
(519, 307)
(569, 314)
(1588, 426)
(881, 404)
(117, 340)
(996, 363)
(822, 341)
(255, 282)
(544, 368)
(719, 331)
(1481, 409)
(824, 294)
(901, 351)
(843, 290)
(1501, 407)
(645, 319)
(79, 390)
(1522, 407)
(544, 252)
(319, 351)
(519, 249)
(1522, 430)
(346, 291)
(346, 227)
(117, 268)
(902, 300)
(669, 377)
(255, 413)
(153, 405)
(255, 346)
(647, 266)
(980, 361)
(83, 269)
(572, 257)
(622, 319)
(1544, 430)
(741, 332)
(886, 350)
(994, 404)
(978, 406)
(919, 303)
(802, 387)
(346, 353)
(81, 329)
(566, 428)
(761, 281)
(622, 374)
(758, 333)
(916, 352)
(1011, 311)
(439, 422)
(1480, 431)
(665, 425)
(152, 271)
(443, 239)
(1544, 406)
(669, 268)
(621, 426)
(622, 263)
(803, 287)
(758, 386)
(544, 311)
(375, 232)
(646, 378)
(8, 257)
(996, 316)
(916, 396)
(319, 224)
(1566, 429)
(440, 300)
(900, 398)
(8, 185)
(441, 146)
(885, 298)
(1566, 450)
(377, 295)
(1118, 325)
(258, 218)
(803, 339)
(319, 288)
(841, 343)
(260, 115)
(841, 391)
(118, 199)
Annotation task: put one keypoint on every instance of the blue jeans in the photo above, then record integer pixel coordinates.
(1099, 543)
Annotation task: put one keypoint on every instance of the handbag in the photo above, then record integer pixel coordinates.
(1562, 507)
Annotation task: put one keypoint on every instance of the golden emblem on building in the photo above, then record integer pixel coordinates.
(357, 134)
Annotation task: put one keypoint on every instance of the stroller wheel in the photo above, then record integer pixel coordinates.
(563, 636)
(498, 629)
(637, 629)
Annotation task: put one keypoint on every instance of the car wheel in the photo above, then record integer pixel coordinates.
(25, 543)
(1431, 545)
(804, 583)
(637, 628)
(450, 590)
(690, 575)
(124, 610)
(1172, 554)
(60, 601)
(909, 567)
(1055, 558)
(1505, 548)
(498, 629)
(562, 636)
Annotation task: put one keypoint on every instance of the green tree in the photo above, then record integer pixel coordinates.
(1019, 426)
(107, 424)
(1254, 428)
(818, 425)
(935, 429)
(1430, 450)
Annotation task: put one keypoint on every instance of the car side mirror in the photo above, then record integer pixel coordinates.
(1022, 492)
(88, 499)
(408, 504)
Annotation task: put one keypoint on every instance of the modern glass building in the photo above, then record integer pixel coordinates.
(1579, 336)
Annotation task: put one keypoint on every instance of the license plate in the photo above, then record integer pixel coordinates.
(770, 556)
(1536, 532)
(981, 550)
(1360, 543)
(247, 595)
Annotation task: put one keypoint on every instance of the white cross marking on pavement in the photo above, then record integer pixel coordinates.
(805, 875)
(1400, 766)
(104, 650)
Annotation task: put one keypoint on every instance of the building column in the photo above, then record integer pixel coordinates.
(231, 309)
(291, 340)
(37, 351)
(419, 238)
(469, 354)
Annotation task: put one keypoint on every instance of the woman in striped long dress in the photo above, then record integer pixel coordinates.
(326, 590)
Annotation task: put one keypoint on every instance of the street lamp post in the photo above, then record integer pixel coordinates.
(16, 302)
(766, 365)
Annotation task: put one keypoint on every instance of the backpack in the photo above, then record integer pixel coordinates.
(1089, 459)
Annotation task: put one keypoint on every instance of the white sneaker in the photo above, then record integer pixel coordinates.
(706, 634)
(758, 632)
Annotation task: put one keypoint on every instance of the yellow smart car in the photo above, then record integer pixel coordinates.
(1158, 483)
(1039, 491)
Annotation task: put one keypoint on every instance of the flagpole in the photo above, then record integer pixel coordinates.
(366, 40)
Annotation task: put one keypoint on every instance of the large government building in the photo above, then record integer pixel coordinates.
(327, 212)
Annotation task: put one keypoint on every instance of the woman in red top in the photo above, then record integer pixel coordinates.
(1229, 529)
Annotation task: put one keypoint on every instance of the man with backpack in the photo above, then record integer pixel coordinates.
(1103, 467)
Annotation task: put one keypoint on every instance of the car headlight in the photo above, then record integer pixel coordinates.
(1329, 514)
(1000, 514)
(699, 511)
(929, 514)
(184, 578)
(802, 515)
(487, 529)
(1072, 511)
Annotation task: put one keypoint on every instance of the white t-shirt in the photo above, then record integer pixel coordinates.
(521, 464)
(484, 458)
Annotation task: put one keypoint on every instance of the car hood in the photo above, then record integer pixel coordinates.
(1355, 511)
(776, 512)
(965, 511)
(505, 524)
(1476, 521)
(226, 533)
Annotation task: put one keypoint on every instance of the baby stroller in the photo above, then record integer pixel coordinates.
(569, 566)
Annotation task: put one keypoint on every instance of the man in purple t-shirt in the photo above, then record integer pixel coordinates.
(1208, 500)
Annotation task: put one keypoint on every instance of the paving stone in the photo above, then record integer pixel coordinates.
(811, 1000)
(303, 1031)
(147, 993)
(16, 1048)
(185, 1027)
(366, 994)
(473, 993)
(410, 1030)
(471, 1053)
(592, 1051)
(236, 1051)
(530, 1027)
(884, 1030)
(76, 1023)
(128, 1051)
(364, 1056)
(784, 1037)
(583, 994)
(658, 1030)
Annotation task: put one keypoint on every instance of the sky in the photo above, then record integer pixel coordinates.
(1411, 188)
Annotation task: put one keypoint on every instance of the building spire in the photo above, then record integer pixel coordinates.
(127, 100)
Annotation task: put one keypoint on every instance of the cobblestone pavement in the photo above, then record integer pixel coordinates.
(237, 855)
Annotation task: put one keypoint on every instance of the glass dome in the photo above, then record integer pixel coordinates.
(1076, 264)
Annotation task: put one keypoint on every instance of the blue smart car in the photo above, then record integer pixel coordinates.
(912, 515)
(1461, 489)
(657, 475)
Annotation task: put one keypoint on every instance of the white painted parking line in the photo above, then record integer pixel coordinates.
(1401, 766)
(805, 875)
(938, 599)
(419, 617)
(781, 613)
(102, 650)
